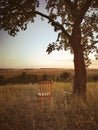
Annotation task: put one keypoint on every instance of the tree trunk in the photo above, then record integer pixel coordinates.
(79, 87)
(80, 74)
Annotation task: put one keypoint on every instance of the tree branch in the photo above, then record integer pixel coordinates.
(83, 11)
(69, 3)
(54, 23)
(72, 6)
(91, 46)
(75, 3)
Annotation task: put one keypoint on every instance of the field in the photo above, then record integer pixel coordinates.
(41, 71)
(19, 108)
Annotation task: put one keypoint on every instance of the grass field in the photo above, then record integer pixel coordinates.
(19, 109)
(15, 72)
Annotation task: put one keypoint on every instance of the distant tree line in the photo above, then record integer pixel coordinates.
(25, 78)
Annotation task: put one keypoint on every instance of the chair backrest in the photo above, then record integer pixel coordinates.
(45, 88)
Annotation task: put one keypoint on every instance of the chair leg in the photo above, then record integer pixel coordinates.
(44, 102)
(40, 103)
(51, 104)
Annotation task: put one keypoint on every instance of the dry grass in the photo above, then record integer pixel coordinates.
(19, 109)
(15, 72)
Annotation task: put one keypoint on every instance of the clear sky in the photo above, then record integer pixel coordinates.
(28, 49)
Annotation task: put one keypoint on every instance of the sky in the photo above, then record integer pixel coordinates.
(28, 49)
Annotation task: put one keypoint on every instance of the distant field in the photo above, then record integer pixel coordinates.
(15, 72)
(19, 109)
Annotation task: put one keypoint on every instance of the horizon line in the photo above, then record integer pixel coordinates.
(40, 68)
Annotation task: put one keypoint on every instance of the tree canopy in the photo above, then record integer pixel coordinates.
(61, 14)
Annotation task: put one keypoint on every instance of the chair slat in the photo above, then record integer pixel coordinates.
(45, 92)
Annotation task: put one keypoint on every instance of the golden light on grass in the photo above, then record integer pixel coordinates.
(19, 109)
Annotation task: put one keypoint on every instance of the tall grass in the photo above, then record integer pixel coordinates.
(19, 109)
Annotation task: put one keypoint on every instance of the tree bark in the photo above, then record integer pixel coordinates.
(79, 87)
(80, 74)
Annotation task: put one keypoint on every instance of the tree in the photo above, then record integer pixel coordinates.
(64, 76)
(74, 20)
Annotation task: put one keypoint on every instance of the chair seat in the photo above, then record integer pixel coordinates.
(43, 94)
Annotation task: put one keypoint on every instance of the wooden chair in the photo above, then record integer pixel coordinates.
(45, 95)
